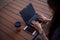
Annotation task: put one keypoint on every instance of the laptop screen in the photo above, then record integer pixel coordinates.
(28, 14)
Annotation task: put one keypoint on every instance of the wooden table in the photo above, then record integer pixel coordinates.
(9, 14)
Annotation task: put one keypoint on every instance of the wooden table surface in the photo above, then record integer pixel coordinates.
(9, 14)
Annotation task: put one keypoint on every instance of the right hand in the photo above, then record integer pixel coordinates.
(40, 30)
(37, 25)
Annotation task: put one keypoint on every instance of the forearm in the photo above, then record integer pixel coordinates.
(44, 18)
(43, 35)
(40, 30)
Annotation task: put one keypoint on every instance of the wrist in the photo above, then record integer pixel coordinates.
(41, 32)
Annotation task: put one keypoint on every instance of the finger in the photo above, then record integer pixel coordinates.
(36, 24)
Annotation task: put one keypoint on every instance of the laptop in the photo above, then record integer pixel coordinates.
(28, 14)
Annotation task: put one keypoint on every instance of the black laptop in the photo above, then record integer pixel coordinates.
(28, 14)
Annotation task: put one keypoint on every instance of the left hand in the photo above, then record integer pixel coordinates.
(44, 19)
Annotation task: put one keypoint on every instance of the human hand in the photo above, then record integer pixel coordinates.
(43, 18)
(37, 25)
(40, 30)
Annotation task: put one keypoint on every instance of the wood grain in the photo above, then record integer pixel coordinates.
(9, 14)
